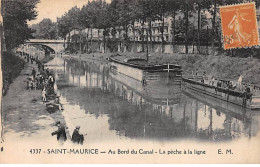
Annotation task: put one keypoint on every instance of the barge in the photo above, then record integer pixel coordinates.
(137, 67)
(241, 98)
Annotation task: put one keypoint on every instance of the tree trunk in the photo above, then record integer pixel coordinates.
(134, 35)
(126, 37)
(142, 35)
(173, 28)
(98, 41)
(199, 22)
(80, 42)
(104, 40)
(213, 25)
(69, 46)
(91, 30)
(162, 32)
(87, 40)
(151, 34)
(186, 31)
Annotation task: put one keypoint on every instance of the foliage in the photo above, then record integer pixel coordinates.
(46, 29)
(15, 14)
(193, 21)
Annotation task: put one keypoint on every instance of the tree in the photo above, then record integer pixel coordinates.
(15, 14)
(147, 11)
(186, 8)
(172, 7)
(199, 6)
(46, 29)
(161, 6)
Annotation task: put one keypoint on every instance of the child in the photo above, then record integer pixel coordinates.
(44, 95)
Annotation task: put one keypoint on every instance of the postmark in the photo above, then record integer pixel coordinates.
(239, 26)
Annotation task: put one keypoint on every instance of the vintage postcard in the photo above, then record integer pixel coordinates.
(130, 82)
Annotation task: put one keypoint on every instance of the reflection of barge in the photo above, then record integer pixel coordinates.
(135, 68)
(239, 98)
(158, 91)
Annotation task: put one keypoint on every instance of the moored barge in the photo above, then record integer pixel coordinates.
(137, 67)
(245, 99)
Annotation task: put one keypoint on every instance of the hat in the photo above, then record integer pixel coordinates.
(77, 127)
(58, 122)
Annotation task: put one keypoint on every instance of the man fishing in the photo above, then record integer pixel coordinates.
(61, 132)
(77, 137)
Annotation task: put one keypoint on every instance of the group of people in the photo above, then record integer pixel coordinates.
(76, 138)
(44, 80)
(232, 85)
(47, 85)
(41, 80)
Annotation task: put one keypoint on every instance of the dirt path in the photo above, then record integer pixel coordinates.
(25, 117)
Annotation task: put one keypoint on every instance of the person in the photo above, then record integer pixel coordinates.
(203, 77)
(31, 60)
(212, 81)
(41, 81)
(39, 65)
(47, 72)
(77, 137)
(44, 99)
(30, 84)
(57, 103)
(42, 66)
(231, 85)
(33, 73)
(34, 84)
(61, 132)
(219, 83)
(239, 82)
(51, 80)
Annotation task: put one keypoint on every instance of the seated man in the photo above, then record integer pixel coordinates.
(76, 137)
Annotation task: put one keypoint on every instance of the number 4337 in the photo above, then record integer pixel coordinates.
(35, 151)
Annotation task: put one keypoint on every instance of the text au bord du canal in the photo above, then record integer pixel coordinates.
(118, 151)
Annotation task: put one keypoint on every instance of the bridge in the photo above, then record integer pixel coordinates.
(50, 46)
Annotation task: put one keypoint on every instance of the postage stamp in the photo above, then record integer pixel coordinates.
(239, 25)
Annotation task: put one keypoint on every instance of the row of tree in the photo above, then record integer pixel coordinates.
(16, 14)
(193, 21)
(120, 14)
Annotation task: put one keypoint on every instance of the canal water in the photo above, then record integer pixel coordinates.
(112, 107)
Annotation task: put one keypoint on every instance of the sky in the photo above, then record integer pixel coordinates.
(56, 8)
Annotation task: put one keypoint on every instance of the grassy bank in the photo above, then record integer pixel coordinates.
(222, 66)
(225, 67)
(11, 68)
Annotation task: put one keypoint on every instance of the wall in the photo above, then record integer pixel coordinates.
(152, 48)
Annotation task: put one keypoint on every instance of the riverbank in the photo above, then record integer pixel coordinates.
(11, 68)
(222, 66)
(25, 117)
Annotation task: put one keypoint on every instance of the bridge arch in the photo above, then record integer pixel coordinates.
(47, 48)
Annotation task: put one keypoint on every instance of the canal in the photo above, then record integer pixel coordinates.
(109, 106)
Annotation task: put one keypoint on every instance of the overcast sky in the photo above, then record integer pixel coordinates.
(56, 8)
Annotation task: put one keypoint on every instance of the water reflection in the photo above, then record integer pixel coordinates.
(111, 106)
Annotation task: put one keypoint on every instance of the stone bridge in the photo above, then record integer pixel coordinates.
(51, 46)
